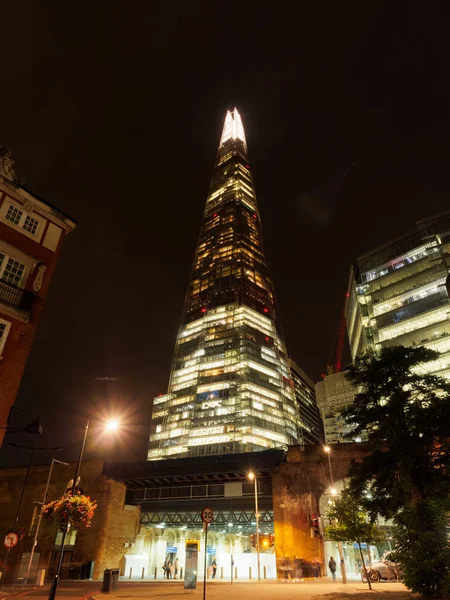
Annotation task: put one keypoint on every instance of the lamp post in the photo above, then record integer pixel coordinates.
(44, 499)
(110, 426)
(252, 477)
(30, 462)
(333, 491)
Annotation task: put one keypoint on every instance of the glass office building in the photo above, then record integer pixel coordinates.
(230, 388)
(310, 422)
(334, 394)
(398, 294)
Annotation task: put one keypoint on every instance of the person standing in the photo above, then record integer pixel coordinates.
(332, 567)
(175, 566)
(169, 569)
(165, 567)
(214, 568)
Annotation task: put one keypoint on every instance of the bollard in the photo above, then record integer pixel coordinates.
(131, 572)
(181, 573)
(265, 572)
(235, 573)
(156, 572)
(249, 572)
(221, 572)
(143, 572)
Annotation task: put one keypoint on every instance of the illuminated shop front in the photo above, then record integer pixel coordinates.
(230, 388)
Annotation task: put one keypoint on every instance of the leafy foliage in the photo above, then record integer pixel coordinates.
(423, 549)
(77, 510)
(405, 415)
(351, 522)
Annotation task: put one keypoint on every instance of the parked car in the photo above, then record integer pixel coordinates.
(385, 568)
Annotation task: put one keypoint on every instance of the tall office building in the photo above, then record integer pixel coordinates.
(310, 422)
(397, 294)
(334, 393)
(230, 389)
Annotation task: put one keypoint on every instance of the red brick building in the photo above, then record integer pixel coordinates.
(31, 235)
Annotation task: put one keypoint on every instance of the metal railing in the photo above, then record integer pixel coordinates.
(15, 296)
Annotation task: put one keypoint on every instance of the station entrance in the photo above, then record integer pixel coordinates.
(172, 494)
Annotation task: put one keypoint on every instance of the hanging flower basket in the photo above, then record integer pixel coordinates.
(75, 510)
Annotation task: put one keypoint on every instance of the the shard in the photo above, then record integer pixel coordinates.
(230, 389)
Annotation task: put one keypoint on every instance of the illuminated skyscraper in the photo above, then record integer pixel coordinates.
(398, 295)
(230, 388)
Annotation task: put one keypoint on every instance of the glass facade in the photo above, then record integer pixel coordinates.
(398, 294)
(334, 393)
(310, 423)
(230, 388)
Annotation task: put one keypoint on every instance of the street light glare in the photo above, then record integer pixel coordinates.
(333, 491)
(112, 425)
(327, 449)
(251, 476)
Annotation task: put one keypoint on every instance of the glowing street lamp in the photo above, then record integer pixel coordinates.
(112, 425)
(252, 477)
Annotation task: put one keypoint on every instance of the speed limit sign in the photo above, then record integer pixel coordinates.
(207, 515)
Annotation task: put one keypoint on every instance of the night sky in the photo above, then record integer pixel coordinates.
(113, 112)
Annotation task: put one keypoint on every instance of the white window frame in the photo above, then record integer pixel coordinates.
(3, 264)
(7, 202)
(4, 336)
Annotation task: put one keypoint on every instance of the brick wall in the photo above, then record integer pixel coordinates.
(113, 525)
(298, 486)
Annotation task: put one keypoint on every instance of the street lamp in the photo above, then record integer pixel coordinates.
(252, 477)
(30, 462)
(333, 492)
(54, 584)
(44, 499)
(112, 425)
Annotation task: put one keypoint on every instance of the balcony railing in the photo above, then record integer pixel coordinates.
(15, 296)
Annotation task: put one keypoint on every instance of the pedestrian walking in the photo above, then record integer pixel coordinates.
(298, 569)
(175, 565)
(169, 569)
(317, 567)
(285, 568)
(332, 567)
(214, 568)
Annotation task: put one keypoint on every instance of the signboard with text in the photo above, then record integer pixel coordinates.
(190, 566)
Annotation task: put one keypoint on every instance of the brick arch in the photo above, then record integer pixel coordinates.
(297, 487)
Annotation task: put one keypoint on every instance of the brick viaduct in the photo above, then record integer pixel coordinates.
(298, 485)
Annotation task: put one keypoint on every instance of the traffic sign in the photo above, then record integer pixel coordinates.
(207, 515)
(11, 539)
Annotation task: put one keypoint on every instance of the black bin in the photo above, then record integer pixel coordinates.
(110, 580)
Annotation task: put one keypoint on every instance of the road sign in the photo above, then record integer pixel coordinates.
(207, 515)
(11, 539)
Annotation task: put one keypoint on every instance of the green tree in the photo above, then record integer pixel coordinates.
(350, 522)
(405, 414)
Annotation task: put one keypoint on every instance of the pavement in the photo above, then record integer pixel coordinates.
(218, 590)
(268, 590)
